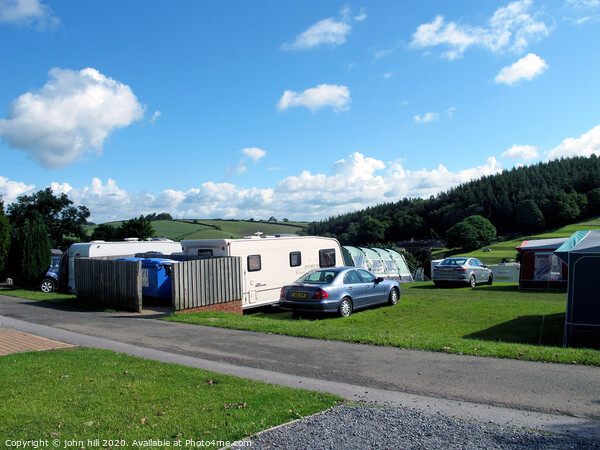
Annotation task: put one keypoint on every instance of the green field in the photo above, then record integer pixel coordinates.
(82, 394)
(498, 321)
(506, 249)
(214, 229)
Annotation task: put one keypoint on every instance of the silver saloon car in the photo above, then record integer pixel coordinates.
(338, 290)
(461, 269)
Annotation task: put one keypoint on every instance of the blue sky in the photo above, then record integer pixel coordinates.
(297, 110)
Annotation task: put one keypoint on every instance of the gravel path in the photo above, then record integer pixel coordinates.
(370, 427)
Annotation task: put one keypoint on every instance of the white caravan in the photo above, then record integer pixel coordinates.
(97, 249)
(270, 262)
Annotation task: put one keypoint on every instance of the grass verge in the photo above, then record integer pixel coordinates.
(498, 321)
(87, 394)
(54, 298)
(37, 295)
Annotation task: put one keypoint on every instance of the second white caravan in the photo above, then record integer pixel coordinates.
(96, 249)
(270, 262)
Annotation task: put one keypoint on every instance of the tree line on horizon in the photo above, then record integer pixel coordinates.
(522, 200)
(35, 224)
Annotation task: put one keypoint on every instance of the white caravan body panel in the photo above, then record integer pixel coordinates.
(271, 262)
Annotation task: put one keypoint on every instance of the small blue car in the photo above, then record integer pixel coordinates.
(50, 281)
(338, 290)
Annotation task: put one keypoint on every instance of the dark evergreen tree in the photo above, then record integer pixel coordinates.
(529, 216)
(593, 197)
(64, 222)
(105, 232)
(4, 237)
(35, 249)
(371, 230)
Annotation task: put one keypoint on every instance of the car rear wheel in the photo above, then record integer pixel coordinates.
(47, 285)
(472, 281)
(345, 308)
(393, 298)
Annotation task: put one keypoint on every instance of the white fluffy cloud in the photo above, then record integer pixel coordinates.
(28, 12)
(511, 28)
(526, 68)
(253, 153)
(322, 96)
(523, 152)
(427, 117)
(71, 115)
(354, 182)
(324, 32)
(10, 190)
(586, 145)
(328, 32)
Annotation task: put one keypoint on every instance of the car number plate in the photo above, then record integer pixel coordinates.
(446, 271)
(299, 294)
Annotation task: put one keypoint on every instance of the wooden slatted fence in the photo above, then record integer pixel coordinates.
(206, 282)
(195, 284)
(116, 284)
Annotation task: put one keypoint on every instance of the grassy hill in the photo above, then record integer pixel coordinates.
(215, 229)
(506, 249)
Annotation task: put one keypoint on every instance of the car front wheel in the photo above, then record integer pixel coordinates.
(393, 298)
(345, 308)
(47, 286)
(491, 279)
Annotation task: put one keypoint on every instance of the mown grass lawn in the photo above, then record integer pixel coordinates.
(498, 321)
(83, 394)
(38, 295)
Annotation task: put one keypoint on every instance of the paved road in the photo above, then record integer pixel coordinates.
(569, 390)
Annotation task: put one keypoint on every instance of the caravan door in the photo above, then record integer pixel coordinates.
(254, 265)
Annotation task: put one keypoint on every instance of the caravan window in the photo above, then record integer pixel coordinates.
(327, 257)
(295, 259)
(205, 253)
(254, 263)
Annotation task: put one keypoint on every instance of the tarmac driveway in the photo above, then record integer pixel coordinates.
(570, 390)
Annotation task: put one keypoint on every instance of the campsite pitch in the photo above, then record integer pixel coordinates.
(498, 321)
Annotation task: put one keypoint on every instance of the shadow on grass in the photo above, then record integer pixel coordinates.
(534, 330)
(493, 288)
(291, 316)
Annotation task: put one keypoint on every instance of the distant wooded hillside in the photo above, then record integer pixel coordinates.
(518, 201)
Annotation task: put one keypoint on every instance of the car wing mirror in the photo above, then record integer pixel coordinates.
(378, 280)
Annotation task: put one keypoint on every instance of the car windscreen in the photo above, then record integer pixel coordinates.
(318, 277)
